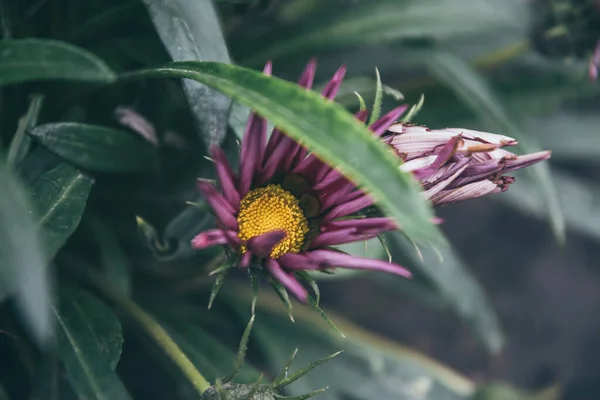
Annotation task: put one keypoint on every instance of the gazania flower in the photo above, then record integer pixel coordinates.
(285, 207)
(458, 164)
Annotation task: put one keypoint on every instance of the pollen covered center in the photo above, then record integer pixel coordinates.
(269, 209)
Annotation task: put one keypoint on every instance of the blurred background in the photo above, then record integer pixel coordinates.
(517, 299)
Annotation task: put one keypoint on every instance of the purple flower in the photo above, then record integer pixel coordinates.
(457, 164)
(285, 208)
(595, 62)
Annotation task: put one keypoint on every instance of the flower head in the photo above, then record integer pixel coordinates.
(458, 164)
(285, 208)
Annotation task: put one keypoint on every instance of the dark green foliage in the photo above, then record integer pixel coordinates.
(101, 294)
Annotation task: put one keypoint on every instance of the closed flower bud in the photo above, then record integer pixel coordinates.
(457, 164)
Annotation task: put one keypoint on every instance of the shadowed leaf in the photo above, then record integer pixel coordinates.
(24, 60)
(59, 198)
(81, 349)
(97, 148)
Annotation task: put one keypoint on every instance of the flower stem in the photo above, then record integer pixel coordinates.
(149, 324)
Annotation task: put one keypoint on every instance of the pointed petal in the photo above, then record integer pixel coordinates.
(526, 160)
(382, 224)
(251, 154)
(334, 259)
(245, 259)
(442, 158)
(286, 279)
(349, 207)
(275, 159)
(340, 236)
(209, 238)
(225, 174)
(362, 115)
(220, 206)
(297, 261)
(450, 174)
(334, 84)
(263, 245)
(268, 69)
(308, 75)
(382, 124)
(470, 191)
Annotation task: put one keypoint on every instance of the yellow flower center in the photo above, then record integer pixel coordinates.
(269, 209)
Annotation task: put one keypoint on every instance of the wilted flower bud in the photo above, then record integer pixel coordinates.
(458, 164)
(233, 391)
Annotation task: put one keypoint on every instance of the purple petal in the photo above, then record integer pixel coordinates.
(362, 115)
(416, 141)
(251, 154)
(275, 158)
(449, 175)
(225, 174)
(470, 191)
(135, 121)
(382, 224)
(209, 238)
(336, 237)
(526, 160)
(308, 167)
(287, 280)
(245, 259)
(297, 261)
(278, 138)
(308, 75)
(219, 205)
(263, 245)
(334, 84)
(382, 124)
(268, 69)
(595, 63)
(334, 259)
(349, 207)
(332, 194)
(447, 151)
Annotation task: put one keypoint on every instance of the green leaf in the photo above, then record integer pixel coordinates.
(474, 91)
(387, 20)
(325, 128)
(46, 380)
(449, 284)
(25, 60)
(570, 135)
(3, 395)
(102, 23)
(113, 259)
(103, 323)
(190, 30)
(578, 196)
(58, 200)
(88, 333)
(97, 148)
(23, 269)
(21, 143)
(370, 367)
